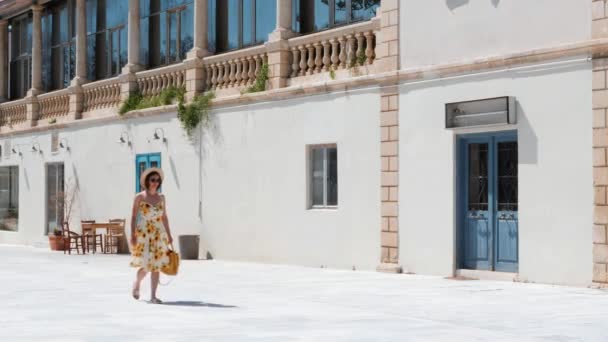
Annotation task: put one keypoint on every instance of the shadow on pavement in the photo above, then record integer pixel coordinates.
(199, 304)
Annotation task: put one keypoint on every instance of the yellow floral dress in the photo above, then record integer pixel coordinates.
(150, 251)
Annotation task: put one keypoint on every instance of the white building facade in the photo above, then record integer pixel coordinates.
(433, 137)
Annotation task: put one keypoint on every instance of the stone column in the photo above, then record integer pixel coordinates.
(128, 81)
(200, 48)
(81, 43)
(36, 50)
(195, 72)
(31, 100)
(133, 62)
(283, 26)
(76, 93)
(3, 60)
(279, 65)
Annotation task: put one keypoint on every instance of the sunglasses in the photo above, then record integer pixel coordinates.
(154, 180)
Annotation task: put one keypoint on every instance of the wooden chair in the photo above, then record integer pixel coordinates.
(71, 240)
(114, 234)
(92, 238)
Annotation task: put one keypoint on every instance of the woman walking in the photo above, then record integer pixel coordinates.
(150, 234)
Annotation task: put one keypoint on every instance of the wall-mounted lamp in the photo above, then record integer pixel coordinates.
(36, 148)
(124, 138)
(64, 144)
(16, 150)
(159, 134)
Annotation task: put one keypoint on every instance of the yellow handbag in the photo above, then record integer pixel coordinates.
(173, 266)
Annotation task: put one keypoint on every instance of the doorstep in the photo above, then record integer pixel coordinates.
(486, 275)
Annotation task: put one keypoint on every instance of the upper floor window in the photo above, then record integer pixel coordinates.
(235, 24)
(20, 52)
(59, 45)
(167, 31)
(106, 38)
(316, 15)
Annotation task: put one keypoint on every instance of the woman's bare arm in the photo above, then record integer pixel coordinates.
(166, 220)
(134, 219)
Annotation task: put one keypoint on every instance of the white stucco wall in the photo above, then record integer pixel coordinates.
(255, 204)
(253, 178)
(442, 31)
(555, 171)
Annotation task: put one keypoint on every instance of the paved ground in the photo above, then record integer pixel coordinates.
(47, 296)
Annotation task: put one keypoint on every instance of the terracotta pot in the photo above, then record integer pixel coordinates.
(56, 243)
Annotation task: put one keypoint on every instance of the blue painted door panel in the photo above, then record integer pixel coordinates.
(488, 217)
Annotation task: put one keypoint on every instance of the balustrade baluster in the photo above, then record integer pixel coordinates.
(245, 71)
(335, 59)
(311, 59)
(350, 50)
(360, 48)
(342, 54)
(369, 50)
(232, 73)
(295, 61)
(303, 60)
(239, 69)
(213, 76)
(326, 55)
(251, 61)
(318, 57)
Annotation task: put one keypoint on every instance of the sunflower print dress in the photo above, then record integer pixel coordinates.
(150, 251)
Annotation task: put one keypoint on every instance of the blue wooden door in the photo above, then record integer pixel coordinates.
(143, 162)
(488, 202)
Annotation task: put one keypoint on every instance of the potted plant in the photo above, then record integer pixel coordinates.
(56, 240)
(65, 201)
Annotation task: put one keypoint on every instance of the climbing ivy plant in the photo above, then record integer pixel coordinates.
(260, 81)
(189, 114)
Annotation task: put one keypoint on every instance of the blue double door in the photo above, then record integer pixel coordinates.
(488, 202)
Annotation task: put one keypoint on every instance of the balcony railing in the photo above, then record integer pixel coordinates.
(54, 104)
(153, 82)
(101, 94)
(333, 53)
(236, 69)
(333, 50)
(12, 113)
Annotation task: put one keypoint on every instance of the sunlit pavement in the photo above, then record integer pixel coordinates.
(50, 296)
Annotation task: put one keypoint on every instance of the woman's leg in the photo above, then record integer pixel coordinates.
(155, 276)
(141, 274)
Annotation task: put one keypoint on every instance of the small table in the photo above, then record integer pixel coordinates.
(91, 228)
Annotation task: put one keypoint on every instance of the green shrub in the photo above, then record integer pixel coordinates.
(260, 81)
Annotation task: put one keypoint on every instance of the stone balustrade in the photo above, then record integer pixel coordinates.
(153, 82)
(13, 112)
(101, 94)
(234, 69)
(335, 49)
(300, 60)
(54, 104)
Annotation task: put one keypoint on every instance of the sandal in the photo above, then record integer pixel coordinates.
(135, 294)
(156, 301)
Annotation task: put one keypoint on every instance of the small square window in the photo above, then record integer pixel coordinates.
(323, 176)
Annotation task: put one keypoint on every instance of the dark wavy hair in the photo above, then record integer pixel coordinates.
(147, 181)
